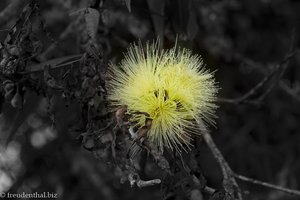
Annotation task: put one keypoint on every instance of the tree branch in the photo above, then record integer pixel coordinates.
(134, 179)
(268, 185)
(229, 182)
(277, 71)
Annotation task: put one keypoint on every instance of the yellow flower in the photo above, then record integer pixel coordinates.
(171, 86)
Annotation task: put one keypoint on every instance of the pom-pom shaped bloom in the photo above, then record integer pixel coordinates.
(170, 86)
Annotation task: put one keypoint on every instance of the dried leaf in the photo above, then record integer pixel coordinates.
(9, 89)
(119, 115)
(89, 144)
(92, 17)
(49, 79)
(142, 132)
(92, 20)
(220, 195)
(17, 100)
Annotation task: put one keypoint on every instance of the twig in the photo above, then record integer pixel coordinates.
(141, 183)
(292, 92)
(209, 190)
(278, 70)
(134, 179)
(68, 30)
(229, 176)
(268, 185)
(229, 182)
(261, 69)
(284, 65)
(206, 189)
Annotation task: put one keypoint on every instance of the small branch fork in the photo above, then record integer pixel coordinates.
(229, 182)
(276, 73)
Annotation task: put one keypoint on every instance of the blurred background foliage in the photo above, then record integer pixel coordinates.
(241, 40)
